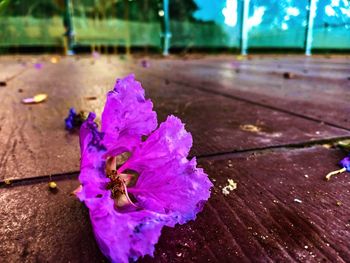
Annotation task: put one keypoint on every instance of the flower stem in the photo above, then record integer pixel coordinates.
(329, 175)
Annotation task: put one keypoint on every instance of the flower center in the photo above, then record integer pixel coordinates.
(119, 181)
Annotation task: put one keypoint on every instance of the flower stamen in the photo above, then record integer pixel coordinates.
(118, 183)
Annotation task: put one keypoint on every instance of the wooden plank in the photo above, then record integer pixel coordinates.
(38, 225)
(318, 94)
(259, 221)
(34, 141)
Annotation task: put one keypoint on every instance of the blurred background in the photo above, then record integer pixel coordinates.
(113, 26)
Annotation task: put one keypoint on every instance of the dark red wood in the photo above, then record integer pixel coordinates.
(35, 142)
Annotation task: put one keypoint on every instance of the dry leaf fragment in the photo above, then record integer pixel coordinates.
(250, 128)
(52, 185)
(7, 181)
(232, 185)
(91, 98)
(54, 60)
(36, 99)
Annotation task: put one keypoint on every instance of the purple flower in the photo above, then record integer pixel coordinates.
(74, 120)
(134, 185)
(345, 163)
(69, 121)
(38, 65)
(145, 63)
(95, 55)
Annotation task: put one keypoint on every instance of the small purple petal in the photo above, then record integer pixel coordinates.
(345, 163)
(145, 63)
(38, 65)
(96, 55)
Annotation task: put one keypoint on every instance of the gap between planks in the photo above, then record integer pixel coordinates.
(9, 182)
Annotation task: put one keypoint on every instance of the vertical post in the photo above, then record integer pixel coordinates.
(310, 26)
(68, 24)
(244, 27)
(126, 17)
(166, 33)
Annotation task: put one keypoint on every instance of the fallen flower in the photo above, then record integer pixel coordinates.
(36, 99)
(344, 163)
(74, 119)
(134, 186)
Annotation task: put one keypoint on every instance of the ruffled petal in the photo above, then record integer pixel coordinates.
(178, 189)
(168, 182)
(91, 143)
(127, 115)
(168, 143)
(124, 237)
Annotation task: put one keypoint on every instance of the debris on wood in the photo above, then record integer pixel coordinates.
(145, 63)
(54, 60)
(298, 200)
(36, 99)
(91, 98)
(329, 175)
(7, 181)
(232, 185)
(52, 185)
(338, 203)
(327, 146)
(20, 90)
(250, 128)
(288, 75)
(344, 144)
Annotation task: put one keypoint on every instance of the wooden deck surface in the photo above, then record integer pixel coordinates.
(298, 106)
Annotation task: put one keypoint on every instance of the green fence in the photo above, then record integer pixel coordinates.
(232, 24)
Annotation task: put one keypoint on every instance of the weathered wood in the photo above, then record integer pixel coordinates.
(259, 221)
(322, 92)
(34, 141)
